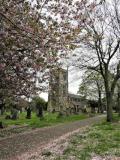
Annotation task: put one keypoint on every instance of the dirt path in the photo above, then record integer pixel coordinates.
(12, 147)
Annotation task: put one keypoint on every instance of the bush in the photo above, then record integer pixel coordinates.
(39, 102)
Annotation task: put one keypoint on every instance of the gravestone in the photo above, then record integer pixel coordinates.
(14, 114)
(1, 125)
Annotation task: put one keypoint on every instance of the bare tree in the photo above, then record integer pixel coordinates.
(99, 44)
(118, 97)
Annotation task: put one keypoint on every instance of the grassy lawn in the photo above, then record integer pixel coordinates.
(49, 119)
(100, 140)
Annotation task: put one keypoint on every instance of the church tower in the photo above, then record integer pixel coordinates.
(58, 91)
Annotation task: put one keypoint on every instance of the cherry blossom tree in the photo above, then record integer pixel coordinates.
(29, 43)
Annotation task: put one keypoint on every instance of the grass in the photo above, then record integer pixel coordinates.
(48, 120)
(102, 140)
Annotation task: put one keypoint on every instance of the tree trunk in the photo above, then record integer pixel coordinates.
(109, 99)
(100, 107)
(118, 104)
(109, 95)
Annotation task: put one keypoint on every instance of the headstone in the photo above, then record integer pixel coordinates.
(28, 113)
(1, 125)
(14, 114)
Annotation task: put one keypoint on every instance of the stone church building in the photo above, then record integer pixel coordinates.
(59, 99)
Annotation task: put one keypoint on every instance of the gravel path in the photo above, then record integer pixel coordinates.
(26, 142)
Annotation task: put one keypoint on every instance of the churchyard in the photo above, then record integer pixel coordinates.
(36, 122)
(69, 50)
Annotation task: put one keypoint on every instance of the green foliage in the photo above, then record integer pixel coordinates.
(91, 84)
(38, 101)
